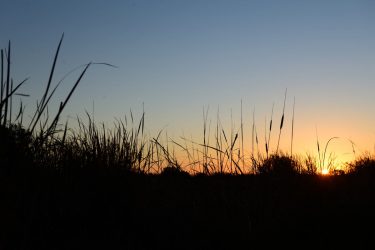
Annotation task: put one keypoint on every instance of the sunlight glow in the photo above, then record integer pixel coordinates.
(325, 172)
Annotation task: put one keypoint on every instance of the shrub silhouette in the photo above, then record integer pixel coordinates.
(15, 148)
(173, 171)
(363, 166)
(280, 165)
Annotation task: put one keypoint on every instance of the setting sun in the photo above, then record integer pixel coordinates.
(325, 172)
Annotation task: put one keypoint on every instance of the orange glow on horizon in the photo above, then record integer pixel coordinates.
(332, 147)
(325, 172)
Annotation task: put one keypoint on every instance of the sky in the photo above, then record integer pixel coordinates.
(175, 59)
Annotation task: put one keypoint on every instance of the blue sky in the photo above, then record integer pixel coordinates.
(177, 57)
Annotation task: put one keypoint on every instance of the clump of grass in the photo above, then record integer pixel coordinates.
(227, 154)
(7, 91)
(324, 165)
(93, 146)
(48, 145)
(14, 140)
(310, 165)
(222, 157)
(163, 153)
(45, 135)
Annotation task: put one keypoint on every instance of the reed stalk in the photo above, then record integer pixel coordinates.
(281, 123)
(268, 145)
(242, 142)
(291, 141)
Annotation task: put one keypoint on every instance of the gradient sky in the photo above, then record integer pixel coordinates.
(177, 57)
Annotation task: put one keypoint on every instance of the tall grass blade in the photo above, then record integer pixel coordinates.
(281, 123)
(242, 141)
(63, 104)
(1, 81)
(52, 71)
(43, 104)
(20, 112)
(270, 128)
(7, 86)
(11, 102)
(318, 146)
(13, 92)
(325, 148)
(291, 141)
(265, 136)
(253, 135)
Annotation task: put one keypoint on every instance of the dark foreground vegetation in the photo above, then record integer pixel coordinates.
(88, 208)
(94, 188)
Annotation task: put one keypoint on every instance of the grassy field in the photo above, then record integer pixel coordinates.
(115, 189)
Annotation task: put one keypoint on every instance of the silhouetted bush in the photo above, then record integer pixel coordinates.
(280, 165)
(15, 148)
(364, 165)
(174, 171)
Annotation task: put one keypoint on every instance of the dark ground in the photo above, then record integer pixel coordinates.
(41, 209)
